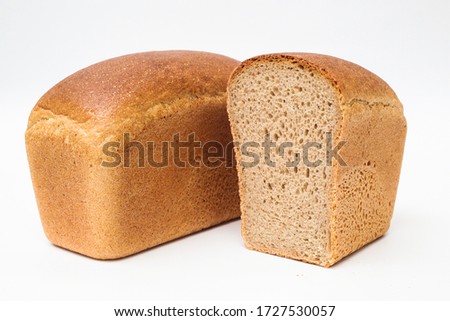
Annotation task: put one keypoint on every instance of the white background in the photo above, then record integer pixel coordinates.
(407, 43)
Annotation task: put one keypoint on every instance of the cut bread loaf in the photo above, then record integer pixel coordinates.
(89, 206)
(304, 202)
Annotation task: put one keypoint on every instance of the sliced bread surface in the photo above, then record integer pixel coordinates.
(321, 180)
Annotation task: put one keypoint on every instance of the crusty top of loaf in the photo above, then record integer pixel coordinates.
(353, 82)
(115, 88)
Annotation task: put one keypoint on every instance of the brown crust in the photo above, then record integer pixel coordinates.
(108, 213)
(113, 89)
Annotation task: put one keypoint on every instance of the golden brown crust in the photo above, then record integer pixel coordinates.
(113, 89)
(365, 190)
(109, 213)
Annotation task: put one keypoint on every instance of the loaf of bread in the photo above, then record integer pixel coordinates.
(320, 145)
(96, 149)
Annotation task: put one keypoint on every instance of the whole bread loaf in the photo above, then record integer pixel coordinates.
(325, 183)
(97, 192)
